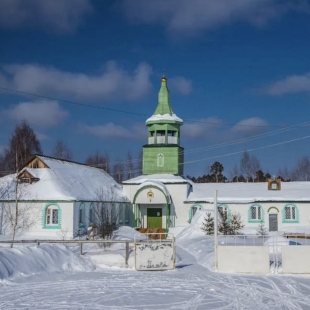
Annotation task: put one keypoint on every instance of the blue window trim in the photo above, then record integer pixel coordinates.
(91, 213)
(82, 206)
(250, 220)
(286, 221)
(43, 216)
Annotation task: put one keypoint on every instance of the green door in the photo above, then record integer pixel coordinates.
(154, 218)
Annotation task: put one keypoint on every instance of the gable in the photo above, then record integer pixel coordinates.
(36, 162)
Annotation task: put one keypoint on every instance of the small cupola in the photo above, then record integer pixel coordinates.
(274, 184)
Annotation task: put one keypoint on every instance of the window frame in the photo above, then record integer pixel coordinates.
(50, 207)
(256, 219)
(291, 206)
(227, 211)
(81, 215)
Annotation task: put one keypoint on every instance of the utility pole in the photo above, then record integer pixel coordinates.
(215, 231)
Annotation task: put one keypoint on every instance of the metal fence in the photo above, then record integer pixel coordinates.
(279, 254)
(77, 242)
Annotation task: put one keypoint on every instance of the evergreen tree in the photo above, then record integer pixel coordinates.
(223, 224)
(235, 224)
(208, 225)
(261, 230)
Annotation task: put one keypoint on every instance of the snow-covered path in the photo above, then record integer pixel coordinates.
(190, 286)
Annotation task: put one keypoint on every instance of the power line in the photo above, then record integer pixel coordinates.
(88, 105)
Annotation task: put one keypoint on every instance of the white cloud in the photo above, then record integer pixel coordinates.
(113, 83)
(43, 113)
(59, 15)
(202, 128)
(111, 130)
(290, 84)
(181, 84)
(189, 17)
(250, 126)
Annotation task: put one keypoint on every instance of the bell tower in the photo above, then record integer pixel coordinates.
(163, 153)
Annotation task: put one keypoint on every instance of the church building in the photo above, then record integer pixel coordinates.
(162, 198)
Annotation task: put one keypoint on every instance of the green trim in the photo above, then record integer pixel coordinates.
(149, 186)
(190, 211)
(250, 220)
(273, 208)
(43, 216)
(287, 221)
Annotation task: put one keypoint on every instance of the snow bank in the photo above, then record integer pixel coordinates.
(196, 242)
(26, 260)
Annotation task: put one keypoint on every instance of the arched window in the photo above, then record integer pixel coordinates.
(223, 209)
(193, 211)
(290, 213)
(256, 213)
(160, 160)
(51, 216)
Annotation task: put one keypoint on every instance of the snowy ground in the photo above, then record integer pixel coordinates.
(57, 277)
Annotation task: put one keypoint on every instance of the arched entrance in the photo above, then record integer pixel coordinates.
(152, 206)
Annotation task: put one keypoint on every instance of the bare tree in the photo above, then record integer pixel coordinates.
(129, 166)
(98, 160)
(139, 163)
(23, 143)
(17, 216)
(235, 173)
(255, 166)
(118, 171)
(245, 165)
(249, 165)
(302, 171)
(105, 213)
(285, 174)
(62, 151)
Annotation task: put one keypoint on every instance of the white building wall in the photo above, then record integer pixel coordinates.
(36, 216)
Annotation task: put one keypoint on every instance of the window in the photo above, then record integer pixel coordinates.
(91, 213)
(223, 209)
(160, 160)
(290, 212)
(51, 217)
(256, 213)
(193, 211)
(82, 214)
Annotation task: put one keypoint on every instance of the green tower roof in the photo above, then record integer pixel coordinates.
(163, 106)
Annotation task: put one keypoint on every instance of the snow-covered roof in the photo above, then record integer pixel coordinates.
(249, 192)
(67, 181)
(163, 178)
(164, 117)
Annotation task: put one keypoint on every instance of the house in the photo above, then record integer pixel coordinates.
(163, 198)
(59, 198)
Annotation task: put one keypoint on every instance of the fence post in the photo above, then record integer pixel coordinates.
(127, 253)
(81, 248)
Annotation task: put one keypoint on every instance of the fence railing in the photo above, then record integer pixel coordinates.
(79, 242)
(257, 240)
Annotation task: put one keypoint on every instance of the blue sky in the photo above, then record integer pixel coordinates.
(238, 73)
